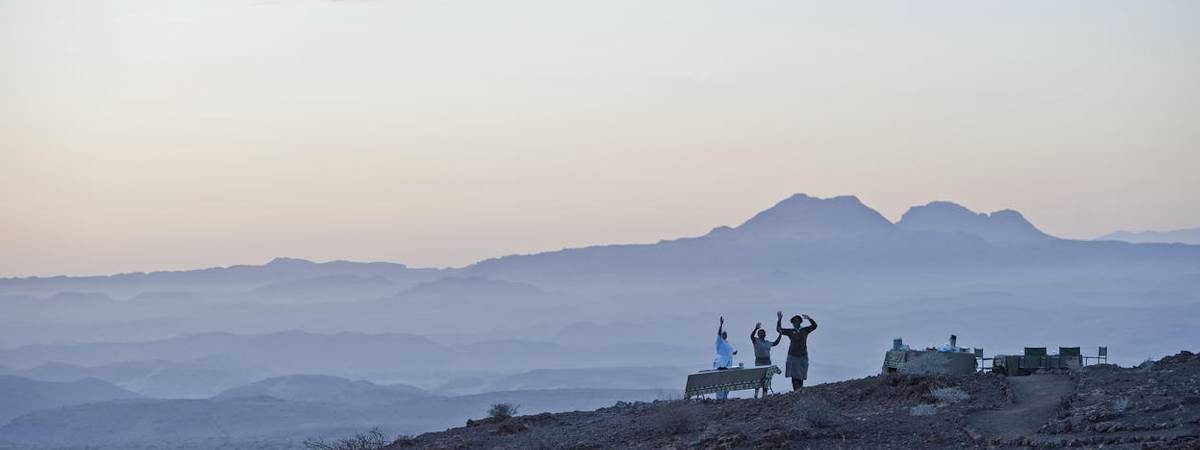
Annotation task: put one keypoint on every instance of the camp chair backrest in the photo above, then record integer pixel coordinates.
(1070, 358)
(1103, 351)
(1035, 358)
(978, 352)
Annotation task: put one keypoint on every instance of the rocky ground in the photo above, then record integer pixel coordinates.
(1155, 405)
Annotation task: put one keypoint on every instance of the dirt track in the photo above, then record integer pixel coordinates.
(1037, 401)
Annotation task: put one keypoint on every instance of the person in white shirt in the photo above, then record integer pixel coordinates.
(725, 352)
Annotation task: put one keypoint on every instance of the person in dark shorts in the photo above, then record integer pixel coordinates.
(797, 358)
(762, 348)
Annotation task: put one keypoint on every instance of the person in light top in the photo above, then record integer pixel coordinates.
(725, 352)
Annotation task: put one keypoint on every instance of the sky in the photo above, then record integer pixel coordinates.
(151, 135)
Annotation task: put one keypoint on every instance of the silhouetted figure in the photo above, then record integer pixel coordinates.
(725, 353)
(797, 359)
(762, 349)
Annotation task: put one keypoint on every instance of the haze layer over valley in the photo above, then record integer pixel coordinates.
(572, 329)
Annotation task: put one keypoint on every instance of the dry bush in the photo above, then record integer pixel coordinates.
(820, 414)
(373, 439)
(503, 411)
(923, 410)
(672, 418)
(949, 395)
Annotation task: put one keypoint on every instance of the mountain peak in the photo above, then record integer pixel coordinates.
(289, 262)
(945, 207)
(1003, 227)
(803, 216)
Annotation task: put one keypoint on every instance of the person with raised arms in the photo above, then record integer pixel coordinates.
(725, 352)
(797, 358)
(762, 349)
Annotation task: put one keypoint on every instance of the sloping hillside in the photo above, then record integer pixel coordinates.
(22, 395)
(1156, 405)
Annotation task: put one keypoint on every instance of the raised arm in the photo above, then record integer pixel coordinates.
(721, 327)
(779, 322)
(812, 324)
(753, 338)
(777, 338)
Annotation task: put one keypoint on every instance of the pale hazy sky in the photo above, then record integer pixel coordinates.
(140, 135)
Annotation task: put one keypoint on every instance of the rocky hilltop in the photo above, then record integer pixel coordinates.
(1154, 405)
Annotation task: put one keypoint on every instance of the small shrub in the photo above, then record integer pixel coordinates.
(923, 410)
(672, 419)
(949, 395)
(820, 414)
(503, 411)
(824, 418)
(373, 439)
(1120, 405)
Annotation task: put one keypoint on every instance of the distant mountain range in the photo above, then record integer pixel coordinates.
(152, 378)
(273, 413)
(19, 395)
(325, 389)
(799, 233)
(1189, 236)
(280, 276)
(832, 237)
